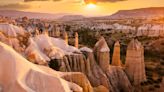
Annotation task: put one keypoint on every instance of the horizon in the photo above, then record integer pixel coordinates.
(87, 8)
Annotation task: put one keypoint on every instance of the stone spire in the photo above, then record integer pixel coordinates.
(56, 31)
(76, 40)
(45, 32)
(116, 55)
(65, 36)
(36, 31)
(134, 64)
(101, 51)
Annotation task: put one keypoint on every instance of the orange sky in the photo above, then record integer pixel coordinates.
(103, 7)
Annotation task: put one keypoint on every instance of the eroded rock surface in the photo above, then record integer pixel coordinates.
(134, 64)
(116, 61)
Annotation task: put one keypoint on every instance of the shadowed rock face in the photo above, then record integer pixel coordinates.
(134, 64)
(118, 79)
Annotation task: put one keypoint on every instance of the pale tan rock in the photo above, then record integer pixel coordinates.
(76, 40)
(23, 76)
(4, 39)
(101, 51)
(34, 54)
(134, 64)
(101, 89)
(65, 37)
(116, 61)
(80, 79)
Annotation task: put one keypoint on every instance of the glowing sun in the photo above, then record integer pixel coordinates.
(91, 6)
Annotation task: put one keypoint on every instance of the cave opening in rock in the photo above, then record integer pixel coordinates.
(54, 64)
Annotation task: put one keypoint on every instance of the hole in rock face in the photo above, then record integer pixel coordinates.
(54, 64)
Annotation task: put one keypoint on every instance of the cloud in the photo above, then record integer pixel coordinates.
(15, 6)
(95, 1)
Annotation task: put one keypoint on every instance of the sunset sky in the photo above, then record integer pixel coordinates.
(84, 7)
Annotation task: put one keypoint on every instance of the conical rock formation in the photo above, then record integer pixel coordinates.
(134, 65)
(76, 40)
(101, 51)
(116, 61)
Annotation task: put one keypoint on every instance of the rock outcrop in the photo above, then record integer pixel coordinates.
(65, 37)
(112, 78)
(134, 65)
(23, 76)
(55, 32)
(80, 79)
(34, 54)
(101, 51)
(76, 40)
(116, 61)
(101, 89)
(118, 79)
(87, 70)
(93, 71)
(85, 64)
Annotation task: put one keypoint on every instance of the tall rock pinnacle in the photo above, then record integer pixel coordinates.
(134, 64)
(116, 55)
(102, 53)
(65, 36)
(76, 40)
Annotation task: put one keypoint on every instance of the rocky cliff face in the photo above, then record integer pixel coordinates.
(99, 72)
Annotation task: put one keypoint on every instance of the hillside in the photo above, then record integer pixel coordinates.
(15, 14)
(152, 12)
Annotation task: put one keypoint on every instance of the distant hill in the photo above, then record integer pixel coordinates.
(15, 14)
(151, 12)
(71, 17)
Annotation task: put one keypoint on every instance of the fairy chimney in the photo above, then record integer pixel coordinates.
(65, 37)
(101, 51)
(134, 65)
(56, 31)
(76, 40)
(116, 55)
